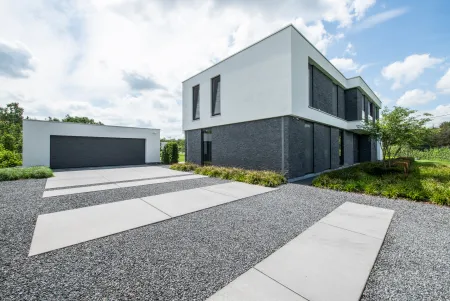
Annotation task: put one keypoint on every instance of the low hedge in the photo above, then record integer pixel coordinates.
(9, 158)
(429, 182)
(257, 177)
(16, 173)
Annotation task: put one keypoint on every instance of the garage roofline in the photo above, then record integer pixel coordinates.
(117, 126)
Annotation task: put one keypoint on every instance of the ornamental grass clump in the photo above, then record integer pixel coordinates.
(257, 177)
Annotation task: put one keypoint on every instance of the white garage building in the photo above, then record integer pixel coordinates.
(73, 145)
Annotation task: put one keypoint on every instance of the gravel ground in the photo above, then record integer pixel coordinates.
(192, 256)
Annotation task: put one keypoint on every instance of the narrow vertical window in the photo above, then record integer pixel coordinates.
(335, 98)
(310, 73)
(363, 107)
(196, 102)
(215, 97)
(341, 147)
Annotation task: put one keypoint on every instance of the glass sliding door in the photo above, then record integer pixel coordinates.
(206, 146)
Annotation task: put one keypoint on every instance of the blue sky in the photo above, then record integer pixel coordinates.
(123, 61)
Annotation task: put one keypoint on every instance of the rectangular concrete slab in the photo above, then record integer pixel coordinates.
(187, 201)
(68, 191)
(66, 228)
(324, 263)
(239, 189)
(368, 220)
(159, 181)
(78, 181)
(106, 175)
(255, 286)
(50, 193)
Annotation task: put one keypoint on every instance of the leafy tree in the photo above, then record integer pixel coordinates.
(11, 118)
(397, 129)
(76, 119)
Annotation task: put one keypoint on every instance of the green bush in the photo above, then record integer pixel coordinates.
(169, 154)
(440, 154)
(257, 177)
(428, 181)
(16, 173)
(9, 158)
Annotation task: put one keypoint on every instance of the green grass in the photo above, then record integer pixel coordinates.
(447, 163)
(16, 173)
(427, 181)
(181, 157)
(257, 177)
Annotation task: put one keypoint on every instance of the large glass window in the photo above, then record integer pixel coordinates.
(335, 98)
(310, 73)
(196, 102)
(341, 147)
(215, 97)
(364, 105)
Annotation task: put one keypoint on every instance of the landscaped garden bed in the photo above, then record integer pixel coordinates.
(257, 177)
(17, 173)
(406, 178)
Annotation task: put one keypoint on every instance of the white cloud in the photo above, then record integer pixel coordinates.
(16, 60)
(416, 97)
(348, 65)
(440, 114)
(379, 18)
(104, 59)
(443, 85)
(385, 100)
(350, 50)
(404, 72)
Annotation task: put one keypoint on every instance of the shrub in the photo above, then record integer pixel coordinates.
(424, 182)
(257, 177)
(169, 154)
(8, 141)
(16, 173)
(440, 154)
(9, 158)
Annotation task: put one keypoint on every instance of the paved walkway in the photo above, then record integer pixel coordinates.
(331, 260)
(61, 229)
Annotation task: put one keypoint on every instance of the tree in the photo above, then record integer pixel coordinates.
(397, 129)
(76, 119)
(11, 118)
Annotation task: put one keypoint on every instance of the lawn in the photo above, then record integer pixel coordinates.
(427, 181)
(181, 157)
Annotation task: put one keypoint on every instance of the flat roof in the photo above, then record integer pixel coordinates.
(117, 126)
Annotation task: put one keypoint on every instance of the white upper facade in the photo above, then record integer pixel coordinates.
(267, 79)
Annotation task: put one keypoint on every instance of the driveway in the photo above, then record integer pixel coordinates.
(107, 175)
(190, 257)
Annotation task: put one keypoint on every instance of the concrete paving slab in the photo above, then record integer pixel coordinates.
(50, 193)
(239, 189)
(187, 201)
(255, 286)
(68, 191)
(158, 181)
(66, 228)
(98, 176)
(324, 263)
(368, 220)
(68, 182)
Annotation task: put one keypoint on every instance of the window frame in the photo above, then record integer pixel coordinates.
(213, 103)
(311, 84)
(194, 107)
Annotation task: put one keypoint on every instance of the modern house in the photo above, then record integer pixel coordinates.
(280, 105)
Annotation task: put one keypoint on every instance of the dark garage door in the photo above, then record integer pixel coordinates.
(73, 151)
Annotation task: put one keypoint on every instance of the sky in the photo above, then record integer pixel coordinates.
(122, 61)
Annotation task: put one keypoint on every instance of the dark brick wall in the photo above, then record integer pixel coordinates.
(348, 148)
(321, 147)
(341, 103)
(353, 104)
(301, 151)
(251, 145)
(323, 92)
(194, 146)
(334, 147)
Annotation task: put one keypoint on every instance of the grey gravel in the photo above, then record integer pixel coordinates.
(193, 256)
